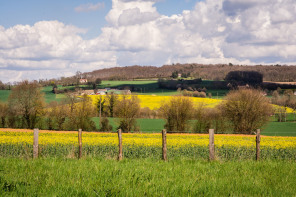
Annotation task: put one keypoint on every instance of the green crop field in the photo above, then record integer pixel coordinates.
(145, 177)
(272, 128)
(146, 125)
(143, 87)
(48, 95)
(280, 129)
(4, 94)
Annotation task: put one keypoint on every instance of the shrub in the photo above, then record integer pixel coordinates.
(246, 109)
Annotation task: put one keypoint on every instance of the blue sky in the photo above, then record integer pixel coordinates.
(14, 12)
(55, 38)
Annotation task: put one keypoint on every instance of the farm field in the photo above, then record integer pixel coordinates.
(272, 128)
(145, 177)
(145, 87)
(146, 125)
(154, 102)
(280, 129)
(4, 94)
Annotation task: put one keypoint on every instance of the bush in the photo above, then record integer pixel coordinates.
(247, 110)
(105, 126)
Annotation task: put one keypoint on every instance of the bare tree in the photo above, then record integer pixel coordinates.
(127, 109)
(56, 115)
(209, 118)
(26, 99)
(177, 112)
(81, 114)
(112, 100)
(247, 110)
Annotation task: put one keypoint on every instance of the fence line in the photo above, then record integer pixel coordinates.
(164, 144)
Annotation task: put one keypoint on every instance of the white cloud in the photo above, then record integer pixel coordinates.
(214, 31)
(49, 47)
(89, 7)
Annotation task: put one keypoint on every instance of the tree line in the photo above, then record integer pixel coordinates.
(243, 111)
(216, 72)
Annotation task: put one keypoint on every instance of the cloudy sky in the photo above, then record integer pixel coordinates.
(54, 38)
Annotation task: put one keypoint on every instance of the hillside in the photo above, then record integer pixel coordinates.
(210, 72)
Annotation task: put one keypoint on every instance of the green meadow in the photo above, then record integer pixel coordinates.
(145, 177)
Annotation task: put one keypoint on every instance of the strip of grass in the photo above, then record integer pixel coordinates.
(280, 129)
(146, 125)
(156, 125)
(145, 177)
(143, 87)
(4, 94)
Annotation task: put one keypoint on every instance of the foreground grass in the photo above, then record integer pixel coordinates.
(145, 177)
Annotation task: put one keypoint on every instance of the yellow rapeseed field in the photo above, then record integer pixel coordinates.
(145, 140)
(154, 102)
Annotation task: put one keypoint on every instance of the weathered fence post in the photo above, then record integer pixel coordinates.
(211, 144)
(258, 139)
(120, 145)
(164, 145)
(35, 143)
(80, 143)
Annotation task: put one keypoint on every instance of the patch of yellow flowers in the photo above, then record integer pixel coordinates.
(154, 102)
(145, 140)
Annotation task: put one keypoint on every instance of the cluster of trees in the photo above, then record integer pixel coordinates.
(244, 111)
(182, 84)
(182, 74)
(285, 99)
(195, 93)
(244, 77)
(26, 109)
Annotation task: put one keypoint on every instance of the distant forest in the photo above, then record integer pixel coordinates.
(274, 73)
(205, 72)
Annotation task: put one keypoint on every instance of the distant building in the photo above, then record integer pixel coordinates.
(82, 80)
(101, 93)
(88, 92)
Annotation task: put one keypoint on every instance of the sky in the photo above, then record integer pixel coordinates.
(53, 38)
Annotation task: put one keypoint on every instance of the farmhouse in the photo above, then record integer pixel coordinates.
(82, 80)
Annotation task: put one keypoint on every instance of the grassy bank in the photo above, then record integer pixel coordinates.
(145, 177)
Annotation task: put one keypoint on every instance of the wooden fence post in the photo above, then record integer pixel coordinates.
(80, 143)
(164, 145)
(35, 143)
(120, 145)
(258, 139)
(211, 144)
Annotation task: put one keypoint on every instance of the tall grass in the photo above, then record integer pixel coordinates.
(145, 177)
